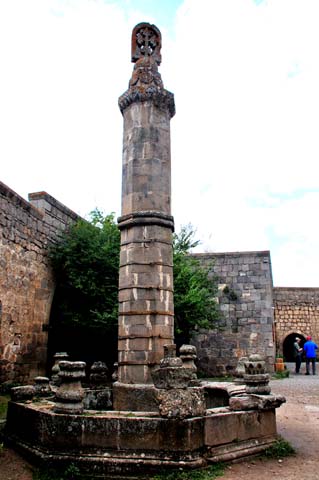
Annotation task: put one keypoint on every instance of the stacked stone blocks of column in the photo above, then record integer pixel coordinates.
(146, 183)
(296, 311)
(26, 280)
(145, 300)
(246, 324)
(146, 265)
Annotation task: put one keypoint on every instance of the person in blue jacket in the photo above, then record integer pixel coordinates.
(309, 349)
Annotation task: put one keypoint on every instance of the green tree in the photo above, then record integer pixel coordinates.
(86, 265)
(195, 288)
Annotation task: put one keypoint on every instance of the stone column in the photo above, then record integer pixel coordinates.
(146, 313)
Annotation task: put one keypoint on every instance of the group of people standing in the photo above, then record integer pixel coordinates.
(309, 351)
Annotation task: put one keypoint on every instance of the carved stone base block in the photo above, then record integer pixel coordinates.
(134, 398)
(181, 403)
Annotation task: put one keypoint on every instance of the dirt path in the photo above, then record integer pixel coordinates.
(13, 467)
(297, 421)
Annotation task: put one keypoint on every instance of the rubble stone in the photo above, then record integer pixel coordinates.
(22, 393)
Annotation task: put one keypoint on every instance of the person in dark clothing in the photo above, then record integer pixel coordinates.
(310, 352)
(297, 353)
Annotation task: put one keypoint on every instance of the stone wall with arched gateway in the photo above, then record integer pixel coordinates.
(296, 312)
(254, 314)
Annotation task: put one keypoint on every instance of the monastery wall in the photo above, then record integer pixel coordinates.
(26, 280)
(296, 312)
(256, 318)
(245, 299)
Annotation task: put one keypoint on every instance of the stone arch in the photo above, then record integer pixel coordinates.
(288, 344)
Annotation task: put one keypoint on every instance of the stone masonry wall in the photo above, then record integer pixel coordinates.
(245, 298)
(249, 304)
(296, 311)
(26, 281)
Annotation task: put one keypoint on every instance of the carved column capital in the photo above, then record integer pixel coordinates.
(146, 82)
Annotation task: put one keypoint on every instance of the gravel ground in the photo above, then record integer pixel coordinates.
(297, 422)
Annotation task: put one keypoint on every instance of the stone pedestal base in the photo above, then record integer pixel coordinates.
(118, 444)
(134, 398)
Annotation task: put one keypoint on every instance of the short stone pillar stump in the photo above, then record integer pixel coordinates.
(58, 357)
(99, 374)
(175, 394)
(42, 387)
(188, 355)
(70, 394)
(255, 378)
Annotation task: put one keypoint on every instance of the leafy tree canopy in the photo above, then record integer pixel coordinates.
(195, 288)
(86, 264)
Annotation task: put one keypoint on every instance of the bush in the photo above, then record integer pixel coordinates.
(281, 448)
(86, 263)
(195, 289)
(86, 266)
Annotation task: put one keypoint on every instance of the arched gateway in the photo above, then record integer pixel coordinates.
(288, 345)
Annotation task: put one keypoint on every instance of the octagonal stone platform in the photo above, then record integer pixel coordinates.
(128, 443)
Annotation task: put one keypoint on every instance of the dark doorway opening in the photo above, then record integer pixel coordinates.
(288, 346)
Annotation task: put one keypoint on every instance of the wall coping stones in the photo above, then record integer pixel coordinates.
(20, 202)
(36, 196)
(258, 253)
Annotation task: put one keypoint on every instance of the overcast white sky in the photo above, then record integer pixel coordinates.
(245, 138)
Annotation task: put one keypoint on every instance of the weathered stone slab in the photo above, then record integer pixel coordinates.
(181, 403)
(98, 399)
(256, 402)
(238, 426)
(129, 397)
(172, 377)
(22, 393)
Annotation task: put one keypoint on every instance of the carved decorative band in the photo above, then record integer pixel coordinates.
(152, 241)
(146, 218)
(151, 264)
(136, 362)
(145, 287)
(162, 98)
(146, 312)
(143, 337)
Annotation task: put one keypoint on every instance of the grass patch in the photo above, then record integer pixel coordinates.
(210, 473)
(4, 399)
(46, 475)
(73, 473)
(70, 473)
(280, 449)
(281, 375)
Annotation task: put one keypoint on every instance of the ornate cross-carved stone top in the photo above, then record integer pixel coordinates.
(146, 42)
(146, 82)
